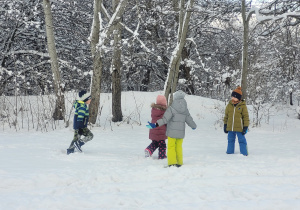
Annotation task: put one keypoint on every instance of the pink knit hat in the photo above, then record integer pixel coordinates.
(161, 100)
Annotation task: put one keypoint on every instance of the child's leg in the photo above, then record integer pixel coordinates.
(152, 147)
(162, 149)
(75, 138)
(88, 135)
(231, 141)
(243, 143)
(179, 155)
(172, 160)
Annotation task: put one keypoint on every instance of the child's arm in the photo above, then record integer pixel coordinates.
(189, 120)
(81, 116)
(225, 119)
(245, 117)
(226, 115)
(167, 116)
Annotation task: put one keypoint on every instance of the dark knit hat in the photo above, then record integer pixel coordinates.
(237, 93)
(84, 96)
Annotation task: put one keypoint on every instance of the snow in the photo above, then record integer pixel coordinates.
(298, 110)
(225, 76)
(112, 172)
(262, 18)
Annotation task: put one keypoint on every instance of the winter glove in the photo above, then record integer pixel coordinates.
(245, 130)
(151, 125)
(225, 128)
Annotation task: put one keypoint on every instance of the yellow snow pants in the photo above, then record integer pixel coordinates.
(175, 151)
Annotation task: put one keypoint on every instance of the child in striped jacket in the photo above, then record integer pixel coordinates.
(81, 118)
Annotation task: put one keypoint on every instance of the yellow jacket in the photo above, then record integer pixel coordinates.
(236, 117)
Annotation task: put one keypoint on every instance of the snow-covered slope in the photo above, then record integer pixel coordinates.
(112, 172)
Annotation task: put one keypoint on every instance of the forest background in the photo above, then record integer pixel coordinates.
(204, 48)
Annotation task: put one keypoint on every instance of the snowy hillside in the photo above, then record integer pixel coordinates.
(112, 172)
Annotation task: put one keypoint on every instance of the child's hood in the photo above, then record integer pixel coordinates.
(157, 106)
(179, 94)
(179, 105)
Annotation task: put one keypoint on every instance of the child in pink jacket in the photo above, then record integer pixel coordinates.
(158, 135)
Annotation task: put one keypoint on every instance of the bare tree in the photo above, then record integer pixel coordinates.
(245, 60)
(97, 63)
(116, 70)
(8, 44)
(184, 18)
(59, 111)
(103, 34)
(278, 12)
(282, 14)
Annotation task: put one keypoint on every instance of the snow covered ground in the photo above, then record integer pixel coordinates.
(112, 172)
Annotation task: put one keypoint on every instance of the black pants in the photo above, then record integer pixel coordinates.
(161, 145)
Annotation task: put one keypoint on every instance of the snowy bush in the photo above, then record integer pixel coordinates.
(32, 112)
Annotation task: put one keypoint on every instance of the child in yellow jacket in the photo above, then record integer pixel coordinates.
(236, 122)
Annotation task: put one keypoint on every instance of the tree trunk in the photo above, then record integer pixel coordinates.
(172, 80)
(59, 111)
(146, 80)
(291, 98)
(245, 51)
(178, 59)
(116, 72)
(95, 27)
(187, 72)
(97, 64)
(97, 45)
(96, 88)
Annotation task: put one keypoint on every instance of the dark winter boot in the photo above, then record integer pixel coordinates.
(69, 151)
(175, 165)
(77, 146)
(81, 143)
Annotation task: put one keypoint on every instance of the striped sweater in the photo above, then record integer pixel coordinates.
(81, 116)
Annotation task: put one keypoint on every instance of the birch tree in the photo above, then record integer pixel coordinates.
(59, 111)
(173, 71)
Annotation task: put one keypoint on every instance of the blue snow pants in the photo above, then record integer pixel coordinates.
(242, 142)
